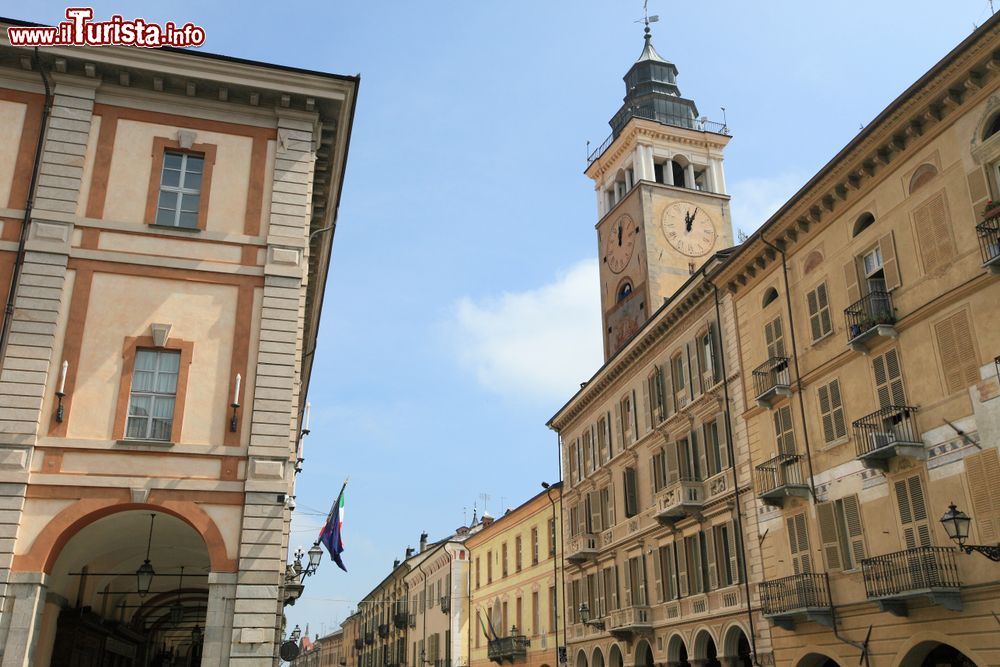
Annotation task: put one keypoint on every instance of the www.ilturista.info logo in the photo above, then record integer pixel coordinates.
(81, 30)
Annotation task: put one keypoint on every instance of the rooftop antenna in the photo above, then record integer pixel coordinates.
(485, 497)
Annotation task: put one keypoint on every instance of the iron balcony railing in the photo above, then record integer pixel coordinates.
(369, 637)
(400, 619)
(782, 471)
(508, 648)
(868, 312)
(890, 426)
(649, 113)
(910, 571)
(988, 232)
(383, 630)
(359, 644)
(770, 375)
(797, 592)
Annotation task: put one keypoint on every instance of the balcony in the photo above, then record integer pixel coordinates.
(582, 547)
(678, 500)
(886, 434)
(770, 380)
(383, 630)
(446, 604)
(870, 318)
(369, 637)
(929, 572)
(779, 478)
(988, 232)
(800, 597)
(400, 619)
(508, 648)
(359, 644)
(627, 622)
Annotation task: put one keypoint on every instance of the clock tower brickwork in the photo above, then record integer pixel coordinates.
(661, 197)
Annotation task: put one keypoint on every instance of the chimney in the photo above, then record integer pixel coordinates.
(409, 551)
(395, 564)
(423, 542)
(462, 530)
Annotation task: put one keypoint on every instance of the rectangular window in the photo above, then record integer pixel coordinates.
(631, 493)
(180, 189)
(588, 461)
(518, 621)
(477, 571)
(913, 512)
(677, 372)
(841, 533)
(574, 477)
(888, 379)
(707, 357)
(517, 553)
(552, 537)
(727, 554)
(553, 607)
(607, 507)
(798, 542)
(151, 400)
(831, 411)
(820, 321)
(715, 447)
(627, 420)
(489, 567)
(536, 620)
(784, 434)
(503, 559)
(657, 399)
(534, 546)
(602, 440)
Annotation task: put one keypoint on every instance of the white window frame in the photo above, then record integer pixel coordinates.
(180, 190)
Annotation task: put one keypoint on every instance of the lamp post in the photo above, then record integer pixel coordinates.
(555, 574)
(956, 524)
(585, 617)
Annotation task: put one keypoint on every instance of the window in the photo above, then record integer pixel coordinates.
(503, 559)
(153, 393)
(716, 453)
(864, 221)
(880, 274)
(631, 493)
(518, 619)
(923, 174)
(534, 546)
(610, 587)
(841, 533)
(657, 404)
(536, 621)
(820, 321)
(933, 233)
(552, 537)
(607, 507)
(982, 471)
(958, 351)
(708, 362)
(635, 582)
(667, 564)
(784, 434)
(727, 554)
(603, 440)
(992, 128)
(774, 338)
(678, 368)
(888, 379)
(831, 411)
(517, 553)
(624, 290)
(690, 459)
(913, 512)
(770, 296)
(798, 542)
(659, 467)
(489, 567)
(477, 571)
(627, 420)
(180, 189)
(588, 453)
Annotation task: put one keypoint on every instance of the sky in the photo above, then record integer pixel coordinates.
(462, 306)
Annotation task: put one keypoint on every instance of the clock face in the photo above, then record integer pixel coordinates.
(688, 228)
(619, 242)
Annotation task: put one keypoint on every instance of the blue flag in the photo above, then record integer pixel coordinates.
(332, 533)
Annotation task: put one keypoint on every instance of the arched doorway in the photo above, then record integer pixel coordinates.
(100, 611)
(643, 654)
(705, 651)
(736, 647)
(677, 653)
(817, 660)
(597, 659)
(615, 656)
(936, 654)
(581, 659)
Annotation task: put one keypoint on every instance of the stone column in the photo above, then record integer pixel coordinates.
(28, 592)
(218, 619)
(28, 360)
(719, 176)
(668, 171)
(263, 543)
(689, 176)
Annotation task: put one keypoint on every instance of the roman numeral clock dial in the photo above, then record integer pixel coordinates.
(689, 229)
(619, 242)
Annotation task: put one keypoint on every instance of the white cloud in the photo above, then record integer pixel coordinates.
(756, 199)
(539, 343)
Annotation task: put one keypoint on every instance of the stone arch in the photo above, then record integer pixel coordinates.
(676, 649)
(770, 296)
(916, 649)
(643, 654)
(615, 656)
(816, 659)
(597, 658)
(706, 651)
(581, 658)
(991, 126)
(63, 526)
(734, 641)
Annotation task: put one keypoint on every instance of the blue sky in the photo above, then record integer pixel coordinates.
(462, 305)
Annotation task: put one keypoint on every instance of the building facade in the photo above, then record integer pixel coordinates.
(516, 585)
(166, 233)
(439, 605)
(869, 329)
(325, 651)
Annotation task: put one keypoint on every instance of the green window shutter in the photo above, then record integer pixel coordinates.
(828, 535)
(855, 531)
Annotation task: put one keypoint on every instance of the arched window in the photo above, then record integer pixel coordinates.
(992, 127)
(770, 296)
(624, 290)
(923, 174)
(864, 221)
(813, 260)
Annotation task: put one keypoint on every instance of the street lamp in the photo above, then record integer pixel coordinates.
(585, 617)
(144, 575)
(296, 634)
(956, 524)
(196, 634)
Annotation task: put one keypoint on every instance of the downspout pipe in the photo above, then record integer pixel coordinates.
(28, 206)
(423, 612)
(795, 360)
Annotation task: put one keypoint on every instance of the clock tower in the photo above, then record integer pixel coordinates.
(661, 197)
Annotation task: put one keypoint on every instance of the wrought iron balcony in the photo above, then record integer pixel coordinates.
(359, 644)
(400, 619)
(771, 380)
(383, 630)
(779, 478)
(871, 317)
(886, 434)
(446, 604)
(921, 572)
(798, 597)
(369, 637)
(626, 622)
(988, 232)
(678, 500)
(649, 113)
(581, 548)
(508, 648)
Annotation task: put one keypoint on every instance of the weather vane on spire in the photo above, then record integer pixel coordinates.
(646, 18)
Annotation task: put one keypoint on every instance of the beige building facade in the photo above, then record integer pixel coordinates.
(869, 334)
(166, 283)
(439, 605)
(515, 600)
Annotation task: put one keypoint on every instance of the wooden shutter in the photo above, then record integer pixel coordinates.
(682, 567)
(819, 312)
(630, 492)
(657, 558)
(798, 540)
(937, 248)
(851, 278)
(611, 502)
(855, 531)
(595, 458)
(698, 454)
(614, 589)
(720, 433)
(713, 332)
(783, 430)
(713, 570)
(640, 570)
(983, 472)
(572, 463)
(620, 439)
(602, 605)
(628, 582)
(913, 512)
(890, 267)
(958, 352)
(673, 469)
(656, 471)
(581, 519)
(666, 374)
(828, 535)
(888, 379)
(595, 512)
(689, 372)
(775, 338)
(647, 417)
(734, 552)
(587, 453)
(832, 412)
(635, 418)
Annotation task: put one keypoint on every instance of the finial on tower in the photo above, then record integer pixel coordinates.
(647, 19)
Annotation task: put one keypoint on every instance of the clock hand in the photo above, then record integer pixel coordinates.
(619, 235)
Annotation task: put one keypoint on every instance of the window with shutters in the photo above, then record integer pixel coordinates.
(588, 460)
(957, 350)
(888, 379)
(798, 542)
(716, 453)
(603, 449)
(774, 338)
(489, 568)
(933, 233)
(727, 553)
(635, 582)
(574, 520)
(607, 507)
(590, 515)
(631, 492)
(517, 553)
(690, 457)
(552, 538)
(708, 363)
(657, 399)
(477, 572)
(610, 587)
(983, 473)
(841, 532)
(627, 420)
(534, 546)
(831, 412)
(820, 320)
(536, 621)
(668, 572)
(784, 432)
(503, 559)
(697, 563)
(678, 374)
(571, 465)
(913, 521)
